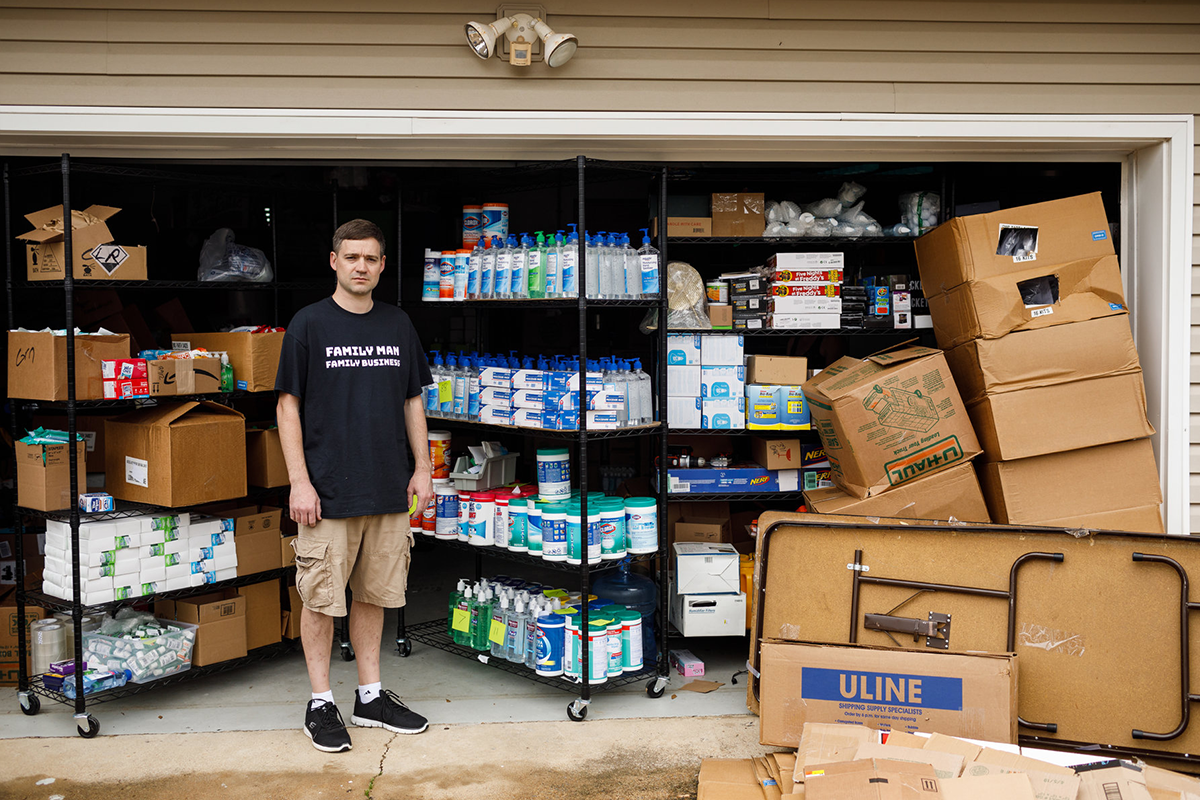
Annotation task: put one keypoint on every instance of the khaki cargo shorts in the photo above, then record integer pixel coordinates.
(370, 554)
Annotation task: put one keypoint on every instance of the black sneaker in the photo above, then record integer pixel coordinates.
(386, 711)
(323, 724)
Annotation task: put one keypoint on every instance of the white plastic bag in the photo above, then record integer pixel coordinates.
(222, 259)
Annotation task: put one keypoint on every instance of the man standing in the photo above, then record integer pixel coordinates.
(350, 405)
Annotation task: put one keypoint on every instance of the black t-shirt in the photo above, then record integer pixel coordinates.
(352, 373)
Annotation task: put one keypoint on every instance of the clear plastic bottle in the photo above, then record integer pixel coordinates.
(645, 394)
(466, 604)
(569, 264)
(487, 271)
(514, 639)
(616, 267)
(474, 269)
(651, 263)
(537, 267)
(633, 272)
(603, 266)
(433, 406)
(483, 621)
(499, 617)
(554, 265)
(592, 267)
(455, 598)
(504, 268)
(529, 633)
(615, 384)
(519, 278)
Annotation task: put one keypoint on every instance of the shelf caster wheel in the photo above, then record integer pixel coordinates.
(93, 728)
(30, 703)
(656, 687)
(347, 653)
(577, 711)
(404, 646)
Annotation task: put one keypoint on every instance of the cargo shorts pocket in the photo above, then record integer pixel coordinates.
(314, 574)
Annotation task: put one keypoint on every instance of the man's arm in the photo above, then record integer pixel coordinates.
(304, 505)
(418, 439)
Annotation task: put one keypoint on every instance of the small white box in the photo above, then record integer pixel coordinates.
(923, 321)
(718, 382)
(528, 398)
(683, 381)
(530, 418)
(683, 412)
(683, 349)
(531, 379)
(495, 415)
(805, 321)
(97, 559)
(783, 306)
(709, 614)
(219, 563)
(492, 396)
(602, 420)
(727, 413)
(720, 350)
(153, 572)
(706, 568)
(226, 574)
(806, 260)
(606, 401)
(177, 572)
(174, 584)
(500, 377)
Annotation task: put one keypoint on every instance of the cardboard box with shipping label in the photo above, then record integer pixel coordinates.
(256, 536)
(172, 376)
(738, 214)
(1038, 297)
(92, 256)
(959, 694)
(1061, 417)
(1030, 359)
(950, 494)
(253, 356)
(37, 364)
(1068, 490)
(889, 419)
(984, 246)
(693, 227)
(776, 453)
(222, 620)
(176, 454)
(265, 465)
(776, 370)
(44, 475)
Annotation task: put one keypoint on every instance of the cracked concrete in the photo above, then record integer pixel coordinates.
(611, 759)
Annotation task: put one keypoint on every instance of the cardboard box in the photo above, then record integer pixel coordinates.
(706, 568)
(794, 414)
(829, 263)
(265, 465)
(89, 426)
(9, 644)
(1039, 297)
(709, 614)
(683, 381)
(263, 611)
(256, 535)
(684, 412)
(744, 478)
(694, 227)
(292, 629)
(972, 695)
(222, 620)
(1061, 417)
(762, 407)
(287, 551)
(776, 453)
(723, 413)
(889, 419)
(1030, 359)
(1066, 490)
(44, 475)
(172, 376)
(1012, 786)
(253, 356)
(944, 765)
(738, 214)
(702, 529)
(728, 779)
(683, 349)
(92, 257)
(992, 245)
(720, 315)
(873, 779)
(722, 350)
(37, 364)
(722, 382)
(950, 494)
(177, 454)
(776, 370)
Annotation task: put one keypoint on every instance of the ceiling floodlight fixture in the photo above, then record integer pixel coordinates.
(521, 31)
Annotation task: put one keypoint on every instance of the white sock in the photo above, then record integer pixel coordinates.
(370, 691)
(323, 697)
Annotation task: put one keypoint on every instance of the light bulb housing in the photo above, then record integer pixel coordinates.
(557, 48)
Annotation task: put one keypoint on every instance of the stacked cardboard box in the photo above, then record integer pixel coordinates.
(893, 421)
(706, 595)
(1030, 309)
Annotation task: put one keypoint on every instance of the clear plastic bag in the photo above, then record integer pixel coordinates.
(824, 208)
(920, 211)
(774, 230)
(687, 305)
(222, 259)
(790, 211)
(774, 212)
(821, 227)
(851, 193)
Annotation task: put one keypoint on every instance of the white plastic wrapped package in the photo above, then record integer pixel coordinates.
(850, 193)
(790, 210)
(774, 212)
(774, 230)
(920, 211)
(821, 227)
(824, 208)
(222, 259)
(846, 230)
(899, 229)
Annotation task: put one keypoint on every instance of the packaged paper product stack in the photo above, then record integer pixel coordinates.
(806, 290)
(706, 381)
(1028, 304)
(897, 436)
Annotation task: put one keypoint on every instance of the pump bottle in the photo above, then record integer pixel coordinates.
(650, 260)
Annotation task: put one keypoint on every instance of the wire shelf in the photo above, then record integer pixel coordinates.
(127, 508)
(43, 600)
(814, 332)
(548, 302)
(702, 497)
(129, 402)
(827, 242)
(434, 634)
(619, 433)
(265, 653)
(533, 560)
(165, 176)
(82, 284)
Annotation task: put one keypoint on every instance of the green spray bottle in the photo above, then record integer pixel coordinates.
(537, 267)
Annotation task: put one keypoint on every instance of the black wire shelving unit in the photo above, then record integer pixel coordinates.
(30, 687)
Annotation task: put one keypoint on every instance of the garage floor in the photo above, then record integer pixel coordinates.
(445, 688)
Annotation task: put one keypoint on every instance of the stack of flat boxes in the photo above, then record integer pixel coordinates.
(806, 290)
(750, 301)
(1030, 309)
(549, 399)
(138, 556)
(706, 381)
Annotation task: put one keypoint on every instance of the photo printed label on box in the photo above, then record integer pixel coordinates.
(137, 472)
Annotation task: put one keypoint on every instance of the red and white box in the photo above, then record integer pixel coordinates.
(809, 276)
(789, 289)
(124, 368)
(126, 388)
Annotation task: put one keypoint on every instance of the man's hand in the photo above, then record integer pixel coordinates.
(421, 485)
(305, 505)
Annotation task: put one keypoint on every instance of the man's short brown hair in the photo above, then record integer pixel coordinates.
(357, 230)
